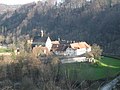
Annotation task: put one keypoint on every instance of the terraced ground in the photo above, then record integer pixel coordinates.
(106, 67)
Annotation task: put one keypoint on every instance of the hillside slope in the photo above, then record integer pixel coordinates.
(8, 8)
(86, 23)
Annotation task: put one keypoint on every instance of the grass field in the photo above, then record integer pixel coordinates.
(4, 50)
(107, 67)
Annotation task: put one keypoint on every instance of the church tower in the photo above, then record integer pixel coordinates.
(42, 33)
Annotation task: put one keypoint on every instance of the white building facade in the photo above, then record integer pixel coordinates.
(48, 44)
(73, 51)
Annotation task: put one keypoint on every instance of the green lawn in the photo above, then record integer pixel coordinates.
(4, 50)
(108, 67)
(111, 62)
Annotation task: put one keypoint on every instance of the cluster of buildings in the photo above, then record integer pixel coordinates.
(60, 47)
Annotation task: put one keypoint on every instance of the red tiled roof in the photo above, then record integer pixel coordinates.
(79, 45)
(55, 42)
(38, 49)
(59, 47)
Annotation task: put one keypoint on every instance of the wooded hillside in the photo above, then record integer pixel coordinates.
(95, 21)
